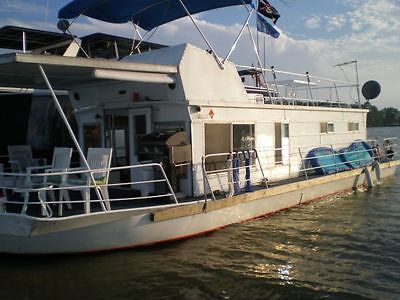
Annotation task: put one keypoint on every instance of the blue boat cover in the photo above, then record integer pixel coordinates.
(145, 13)
(326, 161)
(358, 154)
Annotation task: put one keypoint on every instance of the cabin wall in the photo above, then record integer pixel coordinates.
(304, 125)
(205, 81)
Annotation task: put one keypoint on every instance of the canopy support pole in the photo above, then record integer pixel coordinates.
(71, 133)
(202, 34)
(259, 61)
(239, 36)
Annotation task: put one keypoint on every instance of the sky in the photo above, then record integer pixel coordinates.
(315, 35)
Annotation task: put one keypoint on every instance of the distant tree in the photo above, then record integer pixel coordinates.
(388, 116)
(375, 117)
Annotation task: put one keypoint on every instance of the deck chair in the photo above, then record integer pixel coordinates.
(60, 163)
(3, 193)
(21, 158)
(97, 158)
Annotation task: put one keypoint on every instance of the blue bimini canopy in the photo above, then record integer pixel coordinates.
(145, 13)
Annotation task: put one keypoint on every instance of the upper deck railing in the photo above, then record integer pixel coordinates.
(271, 86)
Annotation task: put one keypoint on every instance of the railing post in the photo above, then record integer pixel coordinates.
(303, 164)
(334, 159)
(167, 181)
(261, 169)
(205, 179)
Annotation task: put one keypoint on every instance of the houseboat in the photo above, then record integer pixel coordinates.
(150, 143)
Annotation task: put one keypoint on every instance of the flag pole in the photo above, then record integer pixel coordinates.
(259, 61)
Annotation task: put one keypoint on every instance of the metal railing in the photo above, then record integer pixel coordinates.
(290, 88)
(218, 175)
(35, 189)
(232, 163)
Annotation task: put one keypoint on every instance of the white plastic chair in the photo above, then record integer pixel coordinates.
(60, 163)
(3, 193)
(21, 158)
(97, 158)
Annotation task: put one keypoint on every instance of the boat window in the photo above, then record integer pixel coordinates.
(285, 130)
(243, 137)
(323, 127)
(352, 126)
(278, 143)
(217, 140)
(326, 127)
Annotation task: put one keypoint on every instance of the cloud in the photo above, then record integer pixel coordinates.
(335, 22)
(20, 6)
(313, 22)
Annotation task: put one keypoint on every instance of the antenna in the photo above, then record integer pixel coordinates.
(355, 62)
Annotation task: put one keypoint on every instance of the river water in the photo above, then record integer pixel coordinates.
(343, 247)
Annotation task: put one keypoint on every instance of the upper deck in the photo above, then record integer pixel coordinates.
(177, 73)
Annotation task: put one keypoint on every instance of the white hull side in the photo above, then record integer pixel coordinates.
(128, 229)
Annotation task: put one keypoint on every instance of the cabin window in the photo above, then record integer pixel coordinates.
(278, 143)
(225, 138)
(323, 127)
(243, 137)
(285, 130)
(326, 127)
(352, 126)
(217, 140)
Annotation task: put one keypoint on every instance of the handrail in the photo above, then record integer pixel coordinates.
(268, 161)
(303, 87)
(27, 186)
(230, 169)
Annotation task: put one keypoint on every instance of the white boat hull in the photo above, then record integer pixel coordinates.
(21, 234)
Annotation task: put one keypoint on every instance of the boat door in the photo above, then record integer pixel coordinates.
(139, 125)
(116, 137)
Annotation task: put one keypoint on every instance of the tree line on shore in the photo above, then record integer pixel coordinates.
(388, 116)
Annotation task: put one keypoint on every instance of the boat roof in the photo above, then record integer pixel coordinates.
(145, 13)
(11, 38)
(99, 45)
(20, 70)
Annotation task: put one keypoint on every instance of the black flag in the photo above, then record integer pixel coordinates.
(267, 10)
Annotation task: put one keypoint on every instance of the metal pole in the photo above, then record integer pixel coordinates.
(259, 61)
(334, 159)
(303, 164)
(238, 36)
(202, 34)
(71, 132)
(23, 42)
(358, 84)
(261, 169)
(168, 184)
